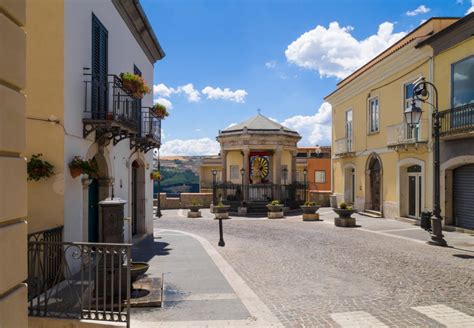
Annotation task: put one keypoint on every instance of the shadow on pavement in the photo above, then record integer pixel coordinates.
(148, 248)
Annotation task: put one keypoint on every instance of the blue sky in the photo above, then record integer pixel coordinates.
(225, 59)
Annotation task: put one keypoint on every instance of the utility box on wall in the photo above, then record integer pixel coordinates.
(111, 222)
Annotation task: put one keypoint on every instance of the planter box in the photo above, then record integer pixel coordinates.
(222, 212)
(192, 214)
(275, 215)
(311, 217)
(194, 208)
(310, 209)
(344, 219)
(346, 222)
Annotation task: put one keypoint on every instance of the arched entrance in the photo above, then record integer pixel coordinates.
(373, 178)
(411, 188)
(138, 197)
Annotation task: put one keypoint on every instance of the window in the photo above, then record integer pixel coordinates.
(234, 172)
(463, 82)
(412, 132)
(99, 65)
(320, 176)
(374, 115)
(349, 129)
(408, 95)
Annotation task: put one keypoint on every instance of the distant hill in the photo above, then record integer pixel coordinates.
(179, 174)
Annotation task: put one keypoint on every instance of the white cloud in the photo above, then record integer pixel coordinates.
(231, 125)
(333, 51)
(271, 64)
(471, 9)
(315, 129)
(191, 147)
(163, 91)
(237, 96)
(165, 102)
(192, 94)
(420, 10)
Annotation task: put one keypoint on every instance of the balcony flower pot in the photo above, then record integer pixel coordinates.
(135, 85)
(309, 212)
(344, 218)
(75, 172)
(38, 169)
(160, 111)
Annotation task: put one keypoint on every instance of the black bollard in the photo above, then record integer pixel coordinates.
(221, 235)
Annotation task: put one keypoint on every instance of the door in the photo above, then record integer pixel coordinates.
(414, 195)
(349, 130)
(375, 188)
(93, 220)
(99, 87)
(463, 196)
(134, 198)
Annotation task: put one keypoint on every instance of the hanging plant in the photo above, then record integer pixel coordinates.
(135, 85)
(38, 169)
(79, 166)
(155, 175)
(160, 111)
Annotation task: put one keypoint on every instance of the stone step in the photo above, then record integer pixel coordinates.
(371, 213)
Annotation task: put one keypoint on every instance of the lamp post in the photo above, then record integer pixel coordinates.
(214, 199)
(158, 198)
(242, 173)
(305, 172)
(413, 116)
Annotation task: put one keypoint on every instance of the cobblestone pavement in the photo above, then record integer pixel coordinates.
(313, 274)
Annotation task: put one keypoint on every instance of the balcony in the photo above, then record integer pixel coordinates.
(344, 147)
(109, 110)
(149, 136)
(403, 136)
(457, 122)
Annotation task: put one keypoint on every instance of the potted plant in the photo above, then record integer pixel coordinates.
(309, 211)
(155, 175)
(344, 218)
(160, 111)
(221, 211)
(38, 169)
(275, 210)
(79, 166)
(194, 209)
(134, 84)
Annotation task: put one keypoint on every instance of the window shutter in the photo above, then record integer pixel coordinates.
(99, 96)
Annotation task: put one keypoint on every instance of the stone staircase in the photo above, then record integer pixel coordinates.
(371, 214)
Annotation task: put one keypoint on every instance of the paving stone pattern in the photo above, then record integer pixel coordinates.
(308, 273)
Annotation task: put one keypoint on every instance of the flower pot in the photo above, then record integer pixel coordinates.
(275, 208)
(344, 213)
(221, 209)
(194, 208)
(109, 116)
(310, 209)
(75, 171)
(344, 219)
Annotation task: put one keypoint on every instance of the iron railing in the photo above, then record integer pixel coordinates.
(343, 146)
(91, 281)
(108, 100)
(265, 192)
(403, 133)
(457, 120)
(151, 125)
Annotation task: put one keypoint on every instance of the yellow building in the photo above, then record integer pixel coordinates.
(380, 164)
(453, 75)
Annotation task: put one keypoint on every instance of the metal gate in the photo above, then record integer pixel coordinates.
(463, 194)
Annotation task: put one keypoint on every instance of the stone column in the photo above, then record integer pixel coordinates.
(224, 165)
(293, 166)
(13, 186)
(246, 165)
(277, 161)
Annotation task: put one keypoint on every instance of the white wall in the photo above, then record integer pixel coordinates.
(123, 52)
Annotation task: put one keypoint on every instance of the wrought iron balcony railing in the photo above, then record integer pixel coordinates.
(109, 108)
(344, 146)
(404, 134)
(149, 136)
(89, 281)
(457, 121)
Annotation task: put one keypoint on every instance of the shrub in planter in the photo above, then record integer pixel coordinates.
(310, 208)
(38, 169)
(134, 84)
(275, 206)
(344, 218)
(221, 211)
(79, 166)
(160, 111)
(195, 206)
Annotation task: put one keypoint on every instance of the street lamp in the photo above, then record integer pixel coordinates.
(305, 172)
(242, 173)
(413, 116)
(158, 198)
(214, 199)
